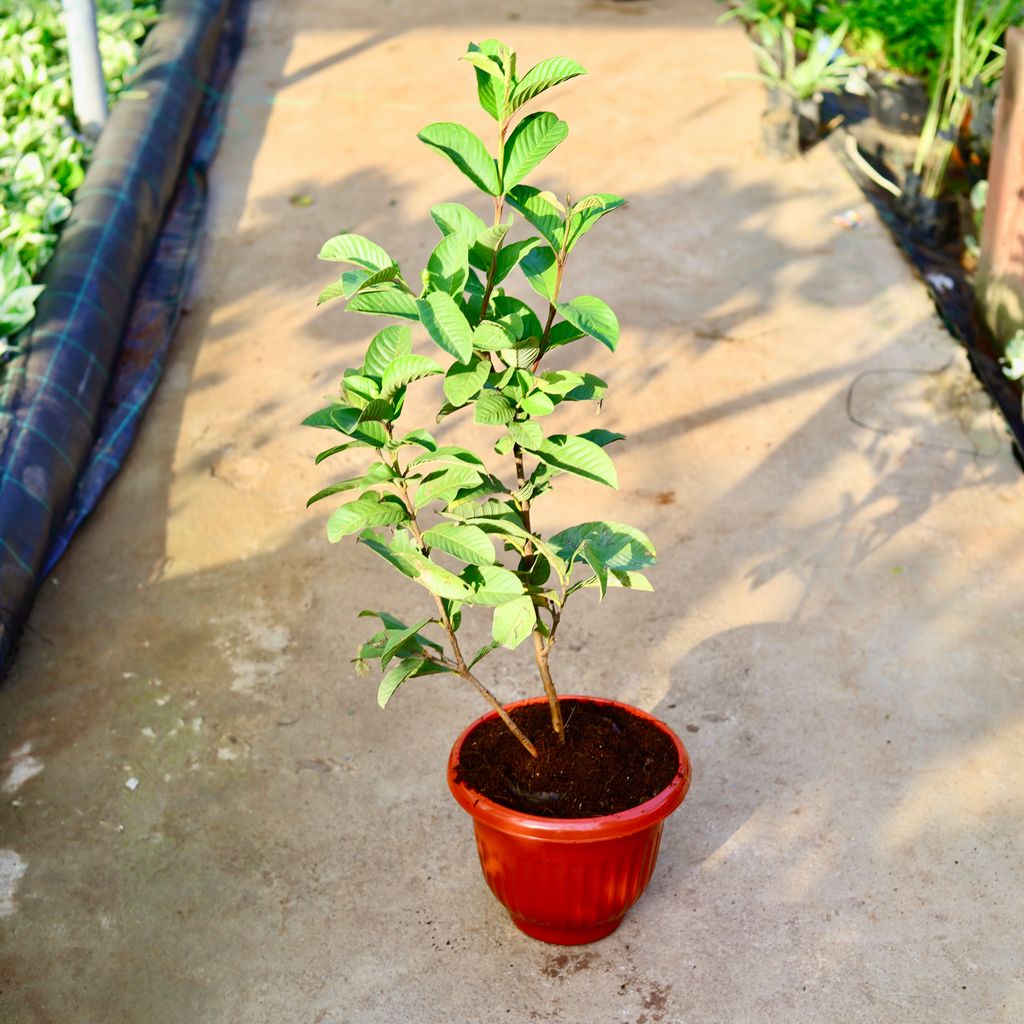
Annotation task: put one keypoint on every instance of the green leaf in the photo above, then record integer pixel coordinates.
(448, 266)
(590, 389)
(463, 381)
(404, 369)
(623, 578)
(450, 454)
(509, 526)
(588, 211)
(487, 243)
(419, 437)
(574, 454)
(541, 270)
(495, 511)
(618, 546)
(537, 404)
(378, 473)
(466, 151)
(487, 61)
(593, 558)
(355, 249)
(443, 485)
(378, 410)
(328, 452)
(563, 333)
(367, 510)
(602, 438)
(437, 580)
(527, 435)
(386, 346)
(482, 653)
(508, 309)
(359, 390)
(541, 209)
(533, 139)
(493, 409)
(345, 419)
(513, 622)
(462, 541)
(593, 317)
(511, 255)
(354, 281)
(489, 336)
(456, 219)
(394, 678)
(491, 585)
(397, 639)
(385, 301)
(543, 76)
(447, 325)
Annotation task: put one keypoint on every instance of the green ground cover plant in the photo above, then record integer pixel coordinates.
(42, 154)
(443, 515)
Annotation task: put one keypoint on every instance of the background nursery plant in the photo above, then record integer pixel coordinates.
(436, 512)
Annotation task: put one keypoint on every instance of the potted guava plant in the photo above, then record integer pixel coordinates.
(568, 794)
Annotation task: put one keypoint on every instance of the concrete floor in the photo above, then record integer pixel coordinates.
(835, 633)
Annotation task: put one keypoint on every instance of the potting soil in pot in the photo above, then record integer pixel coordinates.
(610, 761)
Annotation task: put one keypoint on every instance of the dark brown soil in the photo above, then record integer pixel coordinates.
(611, 761)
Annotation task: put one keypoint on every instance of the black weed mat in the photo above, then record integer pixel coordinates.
(941, 269)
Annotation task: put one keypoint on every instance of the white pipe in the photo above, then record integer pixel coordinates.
(88, 89)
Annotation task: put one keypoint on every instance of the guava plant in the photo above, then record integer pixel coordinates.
(436, 512)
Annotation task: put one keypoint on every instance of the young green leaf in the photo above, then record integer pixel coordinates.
(513, 622)
(456, 219)
(450, 454)
(489, 336)
(592, 557)
(507, 309)
(543, 76)
(593, 317)
(541, 209)
(448, 266)
(537, 404)
(511, 255)
(574, 454)
(627, 579)
(394, 678)
(466, 151)
(527, 435)
(444, 485)
(463, 381)
(385, 301)
(447, 325)
(367, 510)
(462, 541)
(355, 249)
(489, 60)
(404, 369)
(588, 211)
(385, 346)
(493, 409)
(336, 449)
(491, 585)
(487, 243)
(541, 271)
(379, 410)
(533, 139)
(619, 547)
(378, 473)
(563, 333)
(359, 390)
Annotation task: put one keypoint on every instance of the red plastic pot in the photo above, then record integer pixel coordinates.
(569, 880)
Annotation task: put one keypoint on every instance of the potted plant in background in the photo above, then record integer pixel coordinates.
(568, 794)
(795, 86)
(972, 60)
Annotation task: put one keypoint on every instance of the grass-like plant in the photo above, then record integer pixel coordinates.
(972, 59)
(437, 513)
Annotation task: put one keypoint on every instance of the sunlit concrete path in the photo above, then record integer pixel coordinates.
(836, 630)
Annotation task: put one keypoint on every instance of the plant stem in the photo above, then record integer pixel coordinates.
(541, 645)
(459, 665)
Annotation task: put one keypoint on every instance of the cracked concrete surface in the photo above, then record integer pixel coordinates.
(835, 632)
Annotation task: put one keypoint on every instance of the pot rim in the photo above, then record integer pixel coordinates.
(573, 830)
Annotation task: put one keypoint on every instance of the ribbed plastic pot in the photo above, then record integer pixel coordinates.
(569, 881)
